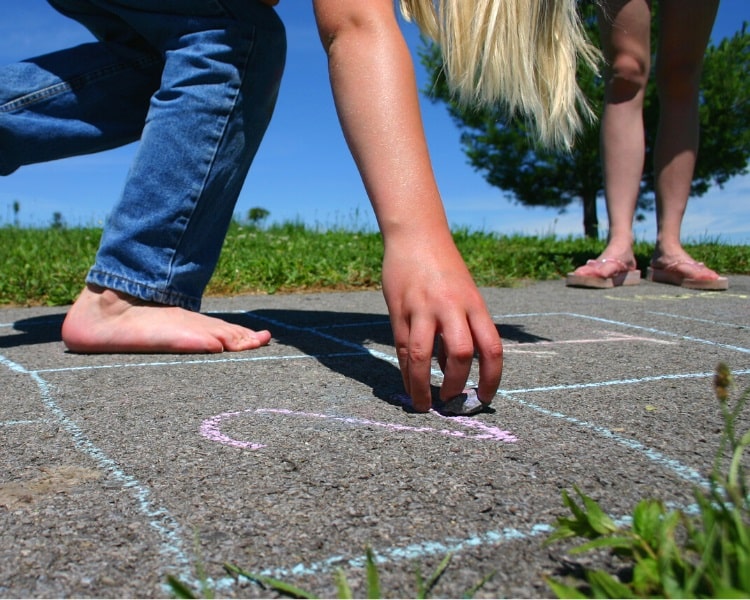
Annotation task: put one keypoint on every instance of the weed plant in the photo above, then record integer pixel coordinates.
(344, 590)
(670, 553)
(48, 266)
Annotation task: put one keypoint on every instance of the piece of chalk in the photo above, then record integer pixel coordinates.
(466, 403)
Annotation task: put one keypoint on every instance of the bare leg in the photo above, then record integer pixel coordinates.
(684, 32)
(625, 31)
(105, 321)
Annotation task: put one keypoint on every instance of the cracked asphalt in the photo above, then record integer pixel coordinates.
(290, 460)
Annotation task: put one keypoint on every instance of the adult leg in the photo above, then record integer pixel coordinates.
(685, 27)
(223, 62)
(625, 27)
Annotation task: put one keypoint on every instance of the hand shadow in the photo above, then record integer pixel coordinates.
(345, 342)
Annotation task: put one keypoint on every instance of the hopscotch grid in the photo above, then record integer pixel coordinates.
(207, 361)
(161, 521)
(687, 338)
(169, 528)
(697, 320)
(17, 422)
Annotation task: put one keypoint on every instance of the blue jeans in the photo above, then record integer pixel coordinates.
(196, 81)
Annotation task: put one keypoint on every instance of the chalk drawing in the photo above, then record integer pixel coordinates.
(172, 535)
(211, 427)
(695, 319)
(609, 337)
(687, 338)
(26, 422)
(203, 361)
(703, 295)
(159, 518)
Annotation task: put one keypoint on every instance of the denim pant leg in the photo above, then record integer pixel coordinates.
(77, 101)
(223, 61)
(219, 87)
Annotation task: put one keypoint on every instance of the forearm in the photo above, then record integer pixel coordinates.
(376, 97)
(428, 289)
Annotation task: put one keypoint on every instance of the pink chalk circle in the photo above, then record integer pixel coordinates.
(211, 428)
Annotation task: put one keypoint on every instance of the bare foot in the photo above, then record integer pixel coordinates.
(105, 321)
(604, 268)
(683, 265)
(617, 257)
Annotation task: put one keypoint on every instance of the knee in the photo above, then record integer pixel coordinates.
(678, 80)
(6, 168)
(278, 34)
(628, 75)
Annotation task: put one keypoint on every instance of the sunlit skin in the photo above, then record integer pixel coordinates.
(103, 320)
(684, 30)
(428, 288)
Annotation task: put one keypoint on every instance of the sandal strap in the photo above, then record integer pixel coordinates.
(673, 265)
(600, 261)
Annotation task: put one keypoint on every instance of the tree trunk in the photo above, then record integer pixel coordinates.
(590, 220)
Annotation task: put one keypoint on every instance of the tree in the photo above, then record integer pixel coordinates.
(257, 215)
(501, 148)
(57, 221)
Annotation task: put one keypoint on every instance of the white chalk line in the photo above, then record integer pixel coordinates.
(160, 519)
(14, 423)
(173, 547)
(697, 320)
(687, 338)
(206, 361)
(632, 381)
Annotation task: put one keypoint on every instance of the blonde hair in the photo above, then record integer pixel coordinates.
(520, 54)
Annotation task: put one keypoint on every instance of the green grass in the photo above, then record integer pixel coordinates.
(48, 266)
(423, 587)
(668, 553)
(671, 553)
(662, 552)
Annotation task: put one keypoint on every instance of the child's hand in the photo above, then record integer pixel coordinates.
(430, 292)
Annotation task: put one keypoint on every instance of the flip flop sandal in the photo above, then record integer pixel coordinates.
(624, 275)
(672, 275)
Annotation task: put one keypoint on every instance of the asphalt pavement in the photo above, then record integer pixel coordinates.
(290, 460)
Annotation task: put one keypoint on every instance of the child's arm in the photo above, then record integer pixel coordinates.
(428, 289)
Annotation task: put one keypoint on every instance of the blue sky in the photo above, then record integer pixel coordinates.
(304, 170)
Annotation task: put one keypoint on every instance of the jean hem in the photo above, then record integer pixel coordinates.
(142, 291)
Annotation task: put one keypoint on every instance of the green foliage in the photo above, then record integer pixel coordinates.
(57, 221)
(45, 266)
(48, 266)
(673, 554)
(290, 257)
(257, 215)
(501, 149)
(725, 112)
(372, 582)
